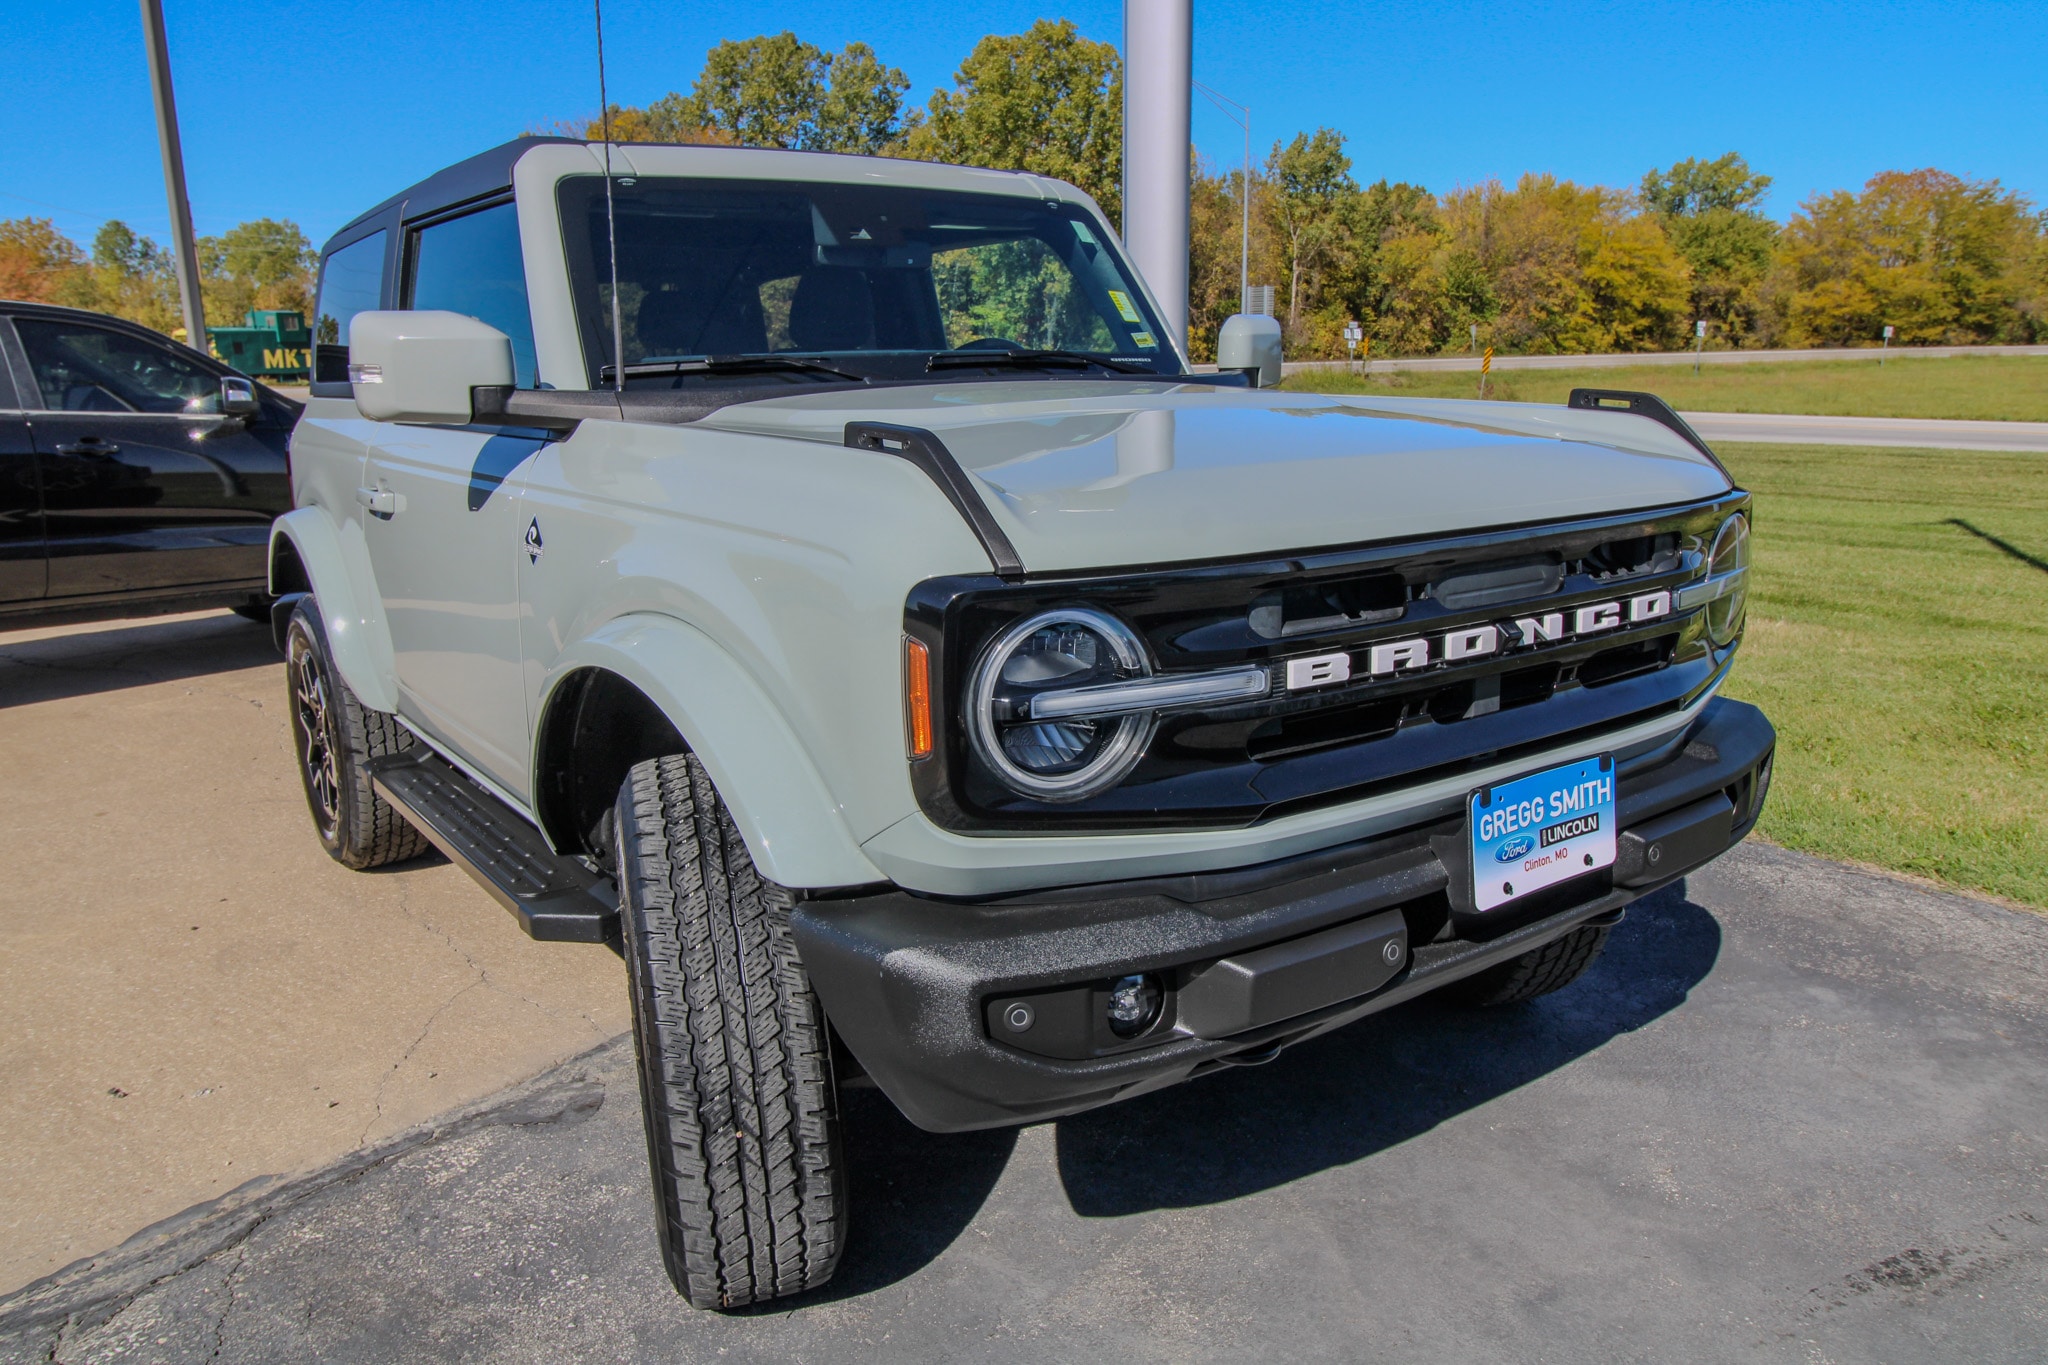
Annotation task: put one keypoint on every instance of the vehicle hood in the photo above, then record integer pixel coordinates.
(1099, 474)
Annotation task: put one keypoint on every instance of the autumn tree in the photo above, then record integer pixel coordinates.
(1712, 212)
(37, 262)
(1942, 259)
(1046, 100)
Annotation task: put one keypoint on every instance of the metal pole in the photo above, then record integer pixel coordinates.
(1244, 247)
(184, 255)
(1243, 119)
(1158, 73)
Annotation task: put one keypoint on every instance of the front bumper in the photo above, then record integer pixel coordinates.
(1252, 959)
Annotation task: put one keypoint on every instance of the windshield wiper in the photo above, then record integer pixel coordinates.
(1036, 360)
(729, 364)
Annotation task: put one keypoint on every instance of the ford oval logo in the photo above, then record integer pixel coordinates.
(1515, 849)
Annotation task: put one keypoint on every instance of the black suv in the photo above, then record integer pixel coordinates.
(137, 475)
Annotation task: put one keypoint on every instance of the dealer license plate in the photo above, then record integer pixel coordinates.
(1539, 830)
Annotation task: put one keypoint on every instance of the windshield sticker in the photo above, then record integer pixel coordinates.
(1081, 231)
(1123, 306)
(1145, 341)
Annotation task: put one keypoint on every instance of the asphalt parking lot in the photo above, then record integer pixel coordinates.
(1795, 1113)
(192, 994)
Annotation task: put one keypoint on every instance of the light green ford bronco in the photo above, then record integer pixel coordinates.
(925, 680)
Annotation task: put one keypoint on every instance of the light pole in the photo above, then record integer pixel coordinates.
(183, 254)
(1243, 119)
(1158, 57)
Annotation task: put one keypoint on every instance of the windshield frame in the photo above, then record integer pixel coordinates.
(579, 199)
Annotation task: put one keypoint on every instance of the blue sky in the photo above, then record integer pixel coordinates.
(315, 111)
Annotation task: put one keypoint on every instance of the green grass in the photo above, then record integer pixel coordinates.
(1999, 388)
(1898, 638)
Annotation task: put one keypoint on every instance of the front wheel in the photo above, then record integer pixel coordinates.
(736, 1077)
(1539, 971)
(335, 737)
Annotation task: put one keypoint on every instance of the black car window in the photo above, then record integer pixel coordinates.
(82, 368)
(351, 282)
(472, 265)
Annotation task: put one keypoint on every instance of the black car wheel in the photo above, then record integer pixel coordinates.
(736, 1075)
(335, 736)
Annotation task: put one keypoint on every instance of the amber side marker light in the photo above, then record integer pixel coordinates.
(917, 697)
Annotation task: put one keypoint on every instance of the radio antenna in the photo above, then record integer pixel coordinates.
(611, 226)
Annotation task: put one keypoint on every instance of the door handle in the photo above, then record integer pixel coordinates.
(90, 445)
(382, 502)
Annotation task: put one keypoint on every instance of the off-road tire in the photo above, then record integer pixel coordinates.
(1539, 971)
(335, 736)
(736, 1078)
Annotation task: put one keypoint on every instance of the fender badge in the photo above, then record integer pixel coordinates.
(533, 545)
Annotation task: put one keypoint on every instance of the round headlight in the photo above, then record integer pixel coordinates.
(1068, 758)
(1730, 556)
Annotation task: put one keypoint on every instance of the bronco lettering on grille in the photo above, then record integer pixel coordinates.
(1472, 642)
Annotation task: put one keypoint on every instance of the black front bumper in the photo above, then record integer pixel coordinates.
(1250, 960)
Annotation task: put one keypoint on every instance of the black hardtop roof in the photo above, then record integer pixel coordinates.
(485, 173)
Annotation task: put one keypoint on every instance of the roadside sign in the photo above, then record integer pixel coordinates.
(1887, 331)
(1486, 362)
(1699, 328)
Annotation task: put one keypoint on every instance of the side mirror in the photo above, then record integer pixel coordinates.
(238, 397)
(1250, 342)
(420, 366)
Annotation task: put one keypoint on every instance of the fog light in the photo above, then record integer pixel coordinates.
(1133, 1005)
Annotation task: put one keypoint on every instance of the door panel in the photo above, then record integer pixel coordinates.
(23, 571)
(445, 535)
(145, 483)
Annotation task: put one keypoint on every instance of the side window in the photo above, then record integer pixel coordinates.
(351, 282)
(472, 265)
(90, 369)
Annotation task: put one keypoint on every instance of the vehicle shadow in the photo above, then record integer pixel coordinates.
(912, 1194)
(37, 666)
(1386, 1079)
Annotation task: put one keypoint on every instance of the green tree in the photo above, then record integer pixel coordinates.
(1046, 100)
(1312, 205)
(1712, 212)
(779, 91)
(267, 263)
(132, 277)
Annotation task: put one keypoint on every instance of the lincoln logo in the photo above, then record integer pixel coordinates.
(1473, 642)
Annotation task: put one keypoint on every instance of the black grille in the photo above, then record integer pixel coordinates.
(1239, 763)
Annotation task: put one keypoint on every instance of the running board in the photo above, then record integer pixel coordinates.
(555, 899)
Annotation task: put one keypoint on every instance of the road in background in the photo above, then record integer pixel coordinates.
(1601, 362)
(192, 993)
(1795, 1113)
(1925, 432)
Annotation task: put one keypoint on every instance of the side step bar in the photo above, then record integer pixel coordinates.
(556, 899)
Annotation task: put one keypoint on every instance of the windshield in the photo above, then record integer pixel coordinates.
(874, 281)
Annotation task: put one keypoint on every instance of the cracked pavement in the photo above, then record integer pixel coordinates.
(194, 997)
(1795, 1113)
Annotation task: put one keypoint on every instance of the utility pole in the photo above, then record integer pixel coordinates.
(1158, 74)
(184, 255)
(1243, 119)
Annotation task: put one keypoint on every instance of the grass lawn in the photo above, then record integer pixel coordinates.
(2003, 388)
(1898, 638)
